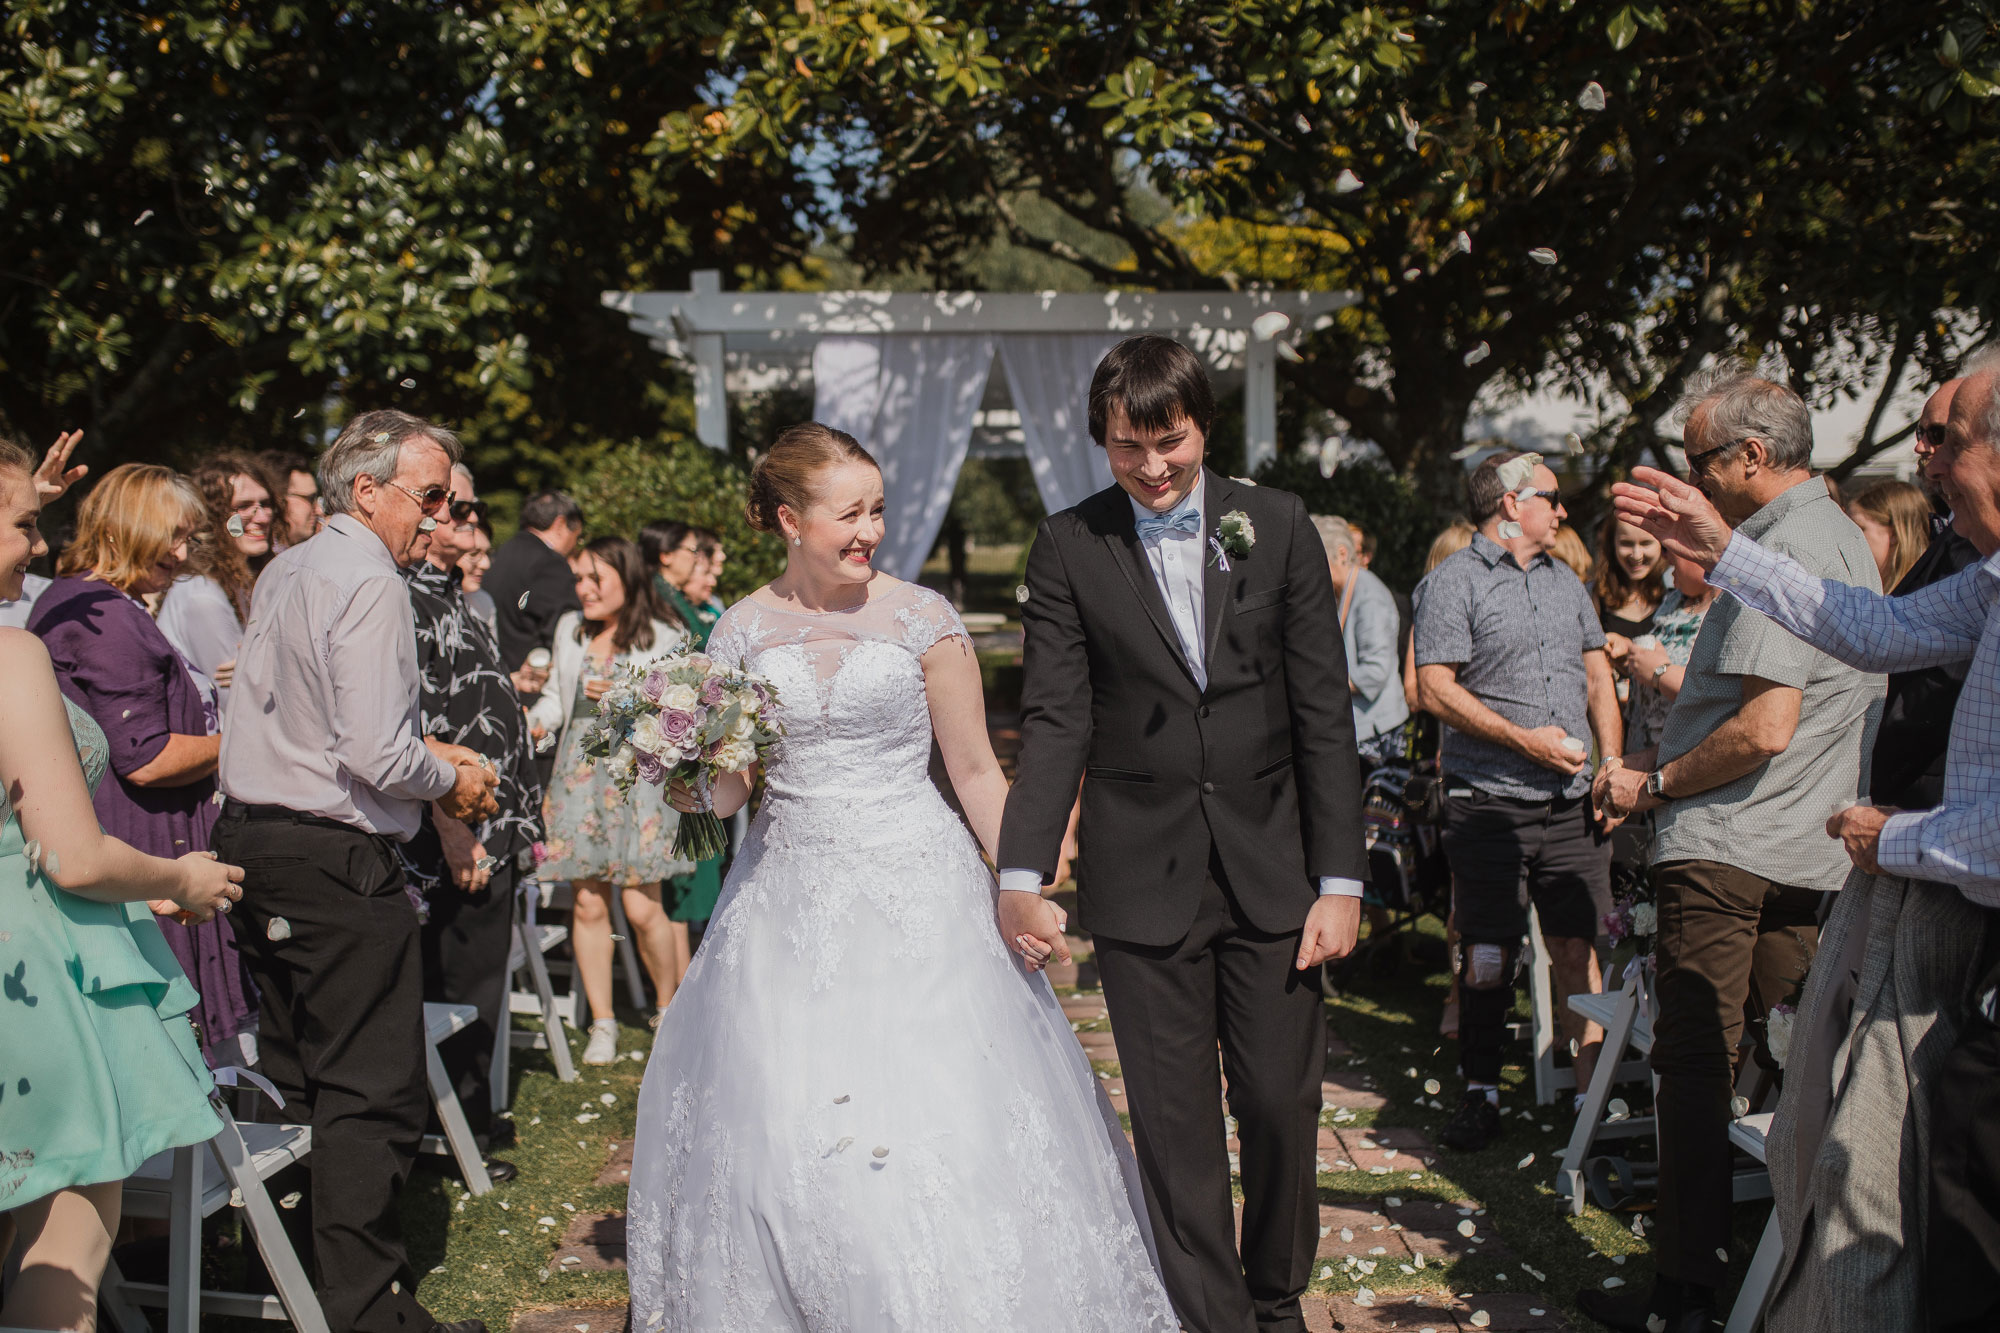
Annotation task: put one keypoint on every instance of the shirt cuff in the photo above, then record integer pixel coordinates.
(1335, 886)
(1744, 564)
(1016, 880)
(1900, 850)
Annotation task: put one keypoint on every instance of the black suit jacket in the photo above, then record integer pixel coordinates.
(531, 586)
(1907, 770)
(1260, 766)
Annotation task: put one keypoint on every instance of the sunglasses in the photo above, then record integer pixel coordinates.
(430, 499)
(1698, 463)
(1931, 434)
(1553, 494)
(465, 511)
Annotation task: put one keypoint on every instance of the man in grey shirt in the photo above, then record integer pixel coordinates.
(1510, 657)
(325, 768)
(1768, 738)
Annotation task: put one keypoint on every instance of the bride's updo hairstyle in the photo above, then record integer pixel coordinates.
(788, 473)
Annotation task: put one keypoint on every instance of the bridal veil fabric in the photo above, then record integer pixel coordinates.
(860, 1114)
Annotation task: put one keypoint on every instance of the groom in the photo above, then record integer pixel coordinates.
(1184, 656)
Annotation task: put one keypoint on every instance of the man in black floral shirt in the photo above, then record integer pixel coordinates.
(468, 875)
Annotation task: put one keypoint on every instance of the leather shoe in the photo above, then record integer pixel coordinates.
(1655, 1311)
(461, 1326)
(499, 1171)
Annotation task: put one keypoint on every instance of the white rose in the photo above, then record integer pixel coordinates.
(1778, 1035)
(1645, 919)
(646, 735)
(735, 756)
(745, 727)
(681, 697)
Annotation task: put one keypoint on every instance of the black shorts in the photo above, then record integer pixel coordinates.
(1504, 853)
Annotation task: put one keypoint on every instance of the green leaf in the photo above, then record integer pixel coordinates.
(1622, 28)
(1948, 48)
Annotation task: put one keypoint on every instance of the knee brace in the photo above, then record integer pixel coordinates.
(1486, 967)
(1485, 997)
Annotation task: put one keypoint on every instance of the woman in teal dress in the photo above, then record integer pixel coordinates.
(99, 1067)
(686, 561)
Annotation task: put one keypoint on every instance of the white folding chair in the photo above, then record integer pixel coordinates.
(1625, 1015)
(1754, 1297)
(185, 1185)
(440, 1021)
(531, 942)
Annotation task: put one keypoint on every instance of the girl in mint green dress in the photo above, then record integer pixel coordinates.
(99, 1068)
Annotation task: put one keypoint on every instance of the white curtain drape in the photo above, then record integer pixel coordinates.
(910, 401)
(1048, 375)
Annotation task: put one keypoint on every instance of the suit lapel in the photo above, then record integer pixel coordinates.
(1121, 540)
(1217, 494)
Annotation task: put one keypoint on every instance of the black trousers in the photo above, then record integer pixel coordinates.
(1962, 1241)
(465, 948)
(1225, 982)
(1727, 939)
(342, 1037)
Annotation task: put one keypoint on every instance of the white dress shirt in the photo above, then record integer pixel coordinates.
(1176, 562)
(323, 718)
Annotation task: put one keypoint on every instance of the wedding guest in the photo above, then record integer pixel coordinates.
(202, 614)
(472, 567)
(1657, 668)
(1454, 537)
(1895, 517)
(1766, 737)
(689, 560)
(102, 1068)
(468, 875)
(325, 770)
(600, 839)
(1510, 657)
(135, 530)
(1368, 633)
(52, 478)
(531, 582)
(300, 513)
(1627, 585)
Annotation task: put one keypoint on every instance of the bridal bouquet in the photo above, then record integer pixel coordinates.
(683, 717)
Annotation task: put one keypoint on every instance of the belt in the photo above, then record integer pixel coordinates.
(285, 814)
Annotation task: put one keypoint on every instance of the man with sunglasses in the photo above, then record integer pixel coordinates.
(326, 770)
(1510, 656)
(1766, 739)
(468, 872)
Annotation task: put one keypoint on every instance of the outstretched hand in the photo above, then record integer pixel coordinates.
(55, 475)
(1686, 524)
(1032, 926)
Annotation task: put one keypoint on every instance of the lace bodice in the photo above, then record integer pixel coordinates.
(850, 689)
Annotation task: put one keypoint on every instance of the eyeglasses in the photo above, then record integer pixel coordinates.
(1553, 494)
(430, 499)
(465, 511)
(1929, 433)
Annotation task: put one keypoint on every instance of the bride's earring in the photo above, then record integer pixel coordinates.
(797, 542)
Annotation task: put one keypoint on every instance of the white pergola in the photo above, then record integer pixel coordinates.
(774, 332)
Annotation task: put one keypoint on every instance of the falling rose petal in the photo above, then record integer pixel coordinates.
(1722, 1253)
(1525, 1162)
(1477, 354)
(1739, 1107)
(1475, 88)
(1541, 254)
(409, 384)
(1656, 1323)
(1269, 325)
(1592, 96)
(1616, 1110)
(1301, 124)
(1287, 351)
(1462, 243)
(1346, 182)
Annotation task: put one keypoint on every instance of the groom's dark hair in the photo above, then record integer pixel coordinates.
(1156, 380)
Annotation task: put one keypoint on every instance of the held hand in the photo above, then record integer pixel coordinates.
(595, 688)
(1673, 511)
(1032, 926)
(471, 796)
(224, 674)
(1617, 647)
(55, 475)
(1641, 663)
(1545, 746)
(1859, 828)
(208, 887)
(1625, 792)
(1600, 791)
(1331, 928)
(462, 855)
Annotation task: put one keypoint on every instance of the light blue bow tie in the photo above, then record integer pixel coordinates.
(1184, 521)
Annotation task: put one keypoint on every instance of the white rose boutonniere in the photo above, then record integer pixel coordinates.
(1233, 536)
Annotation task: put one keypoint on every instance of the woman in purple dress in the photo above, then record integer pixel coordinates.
(134, 531)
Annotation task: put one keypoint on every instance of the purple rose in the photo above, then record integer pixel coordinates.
(679, 727)
(654, 686)
(714, 692)
(651, 770)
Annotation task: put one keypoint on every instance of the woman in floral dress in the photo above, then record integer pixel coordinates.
(600, 838)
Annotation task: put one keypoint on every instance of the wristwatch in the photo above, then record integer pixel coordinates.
(1661, 670)
(1656, 786)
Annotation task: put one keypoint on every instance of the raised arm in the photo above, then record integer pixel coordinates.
(45, 786)
(1934, 626)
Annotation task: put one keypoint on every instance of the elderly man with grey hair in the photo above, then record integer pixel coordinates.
(1857, 1219)
(1369, 628)
(325, 769)
(1767, 738)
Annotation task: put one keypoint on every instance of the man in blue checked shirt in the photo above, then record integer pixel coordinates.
(1856, 1235)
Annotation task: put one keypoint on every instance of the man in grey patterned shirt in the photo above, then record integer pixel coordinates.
(1511, 657)
(1767, 738)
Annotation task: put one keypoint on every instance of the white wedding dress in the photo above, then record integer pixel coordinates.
(860, 1113)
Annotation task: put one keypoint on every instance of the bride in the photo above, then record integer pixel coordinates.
(860, 1112)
